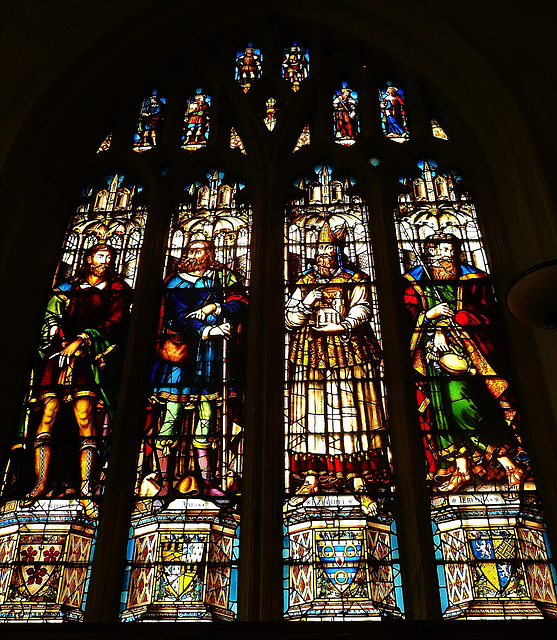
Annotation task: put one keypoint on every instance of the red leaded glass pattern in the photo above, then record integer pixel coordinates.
(492, 552)
(340, 539)
(185, 523)
(54, 479)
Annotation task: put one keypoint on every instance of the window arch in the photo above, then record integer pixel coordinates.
(301, 163)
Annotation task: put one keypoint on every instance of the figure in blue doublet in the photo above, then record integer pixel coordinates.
(204, 308)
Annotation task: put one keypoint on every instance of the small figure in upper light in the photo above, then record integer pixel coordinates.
(295, 67)
(345, 108)
(392, 104)
(149, 122)
(196, 121)
(248, 67)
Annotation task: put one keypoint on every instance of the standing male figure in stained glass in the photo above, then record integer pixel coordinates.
(85, 322)
(149, 121)
(196, 121)
(336, 425)
(249, 67)
(463, 396)
(295, 66)
(204, 306)
(345, 110)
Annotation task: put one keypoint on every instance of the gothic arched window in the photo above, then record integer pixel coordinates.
(238, 408)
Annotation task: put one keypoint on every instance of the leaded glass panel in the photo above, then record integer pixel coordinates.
(149, 123)
(295, 65)
(346, 116)
(393, 114)
(54, 481)
(340, 537)
(183, 550)
(491, 547)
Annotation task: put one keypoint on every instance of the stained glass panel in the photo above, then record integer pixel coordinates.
(183, 549)
(54, 480)
(340, 544)
(491, 547)
(346, 116)
(196, 121)
(105, 146)
(295, 65)
(148, 128)
(303, 139)
(270, 114)
(248, 66)
(437, 130)
(236, 141)
(393, 114)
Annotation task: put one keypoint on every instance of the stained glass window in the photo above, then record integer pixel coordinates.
(236, 141)
(105, 146)
(346, 116)
(437, 130)
(491, 546)
(148, 128)
(54, 481)
(271, 114)
(196, 121)
(248, 66)
(183, 550)
(340, 537)
(303, 139)
(393, 113)
(295, 65)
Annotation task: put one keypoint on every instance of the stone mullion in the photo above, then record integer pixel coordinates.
(412, 503)
(260, 596)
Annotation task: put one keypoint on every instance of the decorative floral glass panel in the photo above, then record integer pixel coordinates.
(54, 479)
(183, 549)
(393, 114)
(295, 65)
(149, 124)
(346, 116)
(248, 66)
(196, 122)
(341, 556)
(491, 547)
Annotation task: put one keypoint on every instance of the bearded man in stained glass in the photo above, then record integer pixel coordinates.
(85, 323)
(204, 307)
(336, 425)
(463, 397)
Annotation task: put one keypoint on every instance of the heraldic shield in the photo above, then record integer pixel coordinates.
(491, 549)
(38, 562)
(340, 553)
(181, 556)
